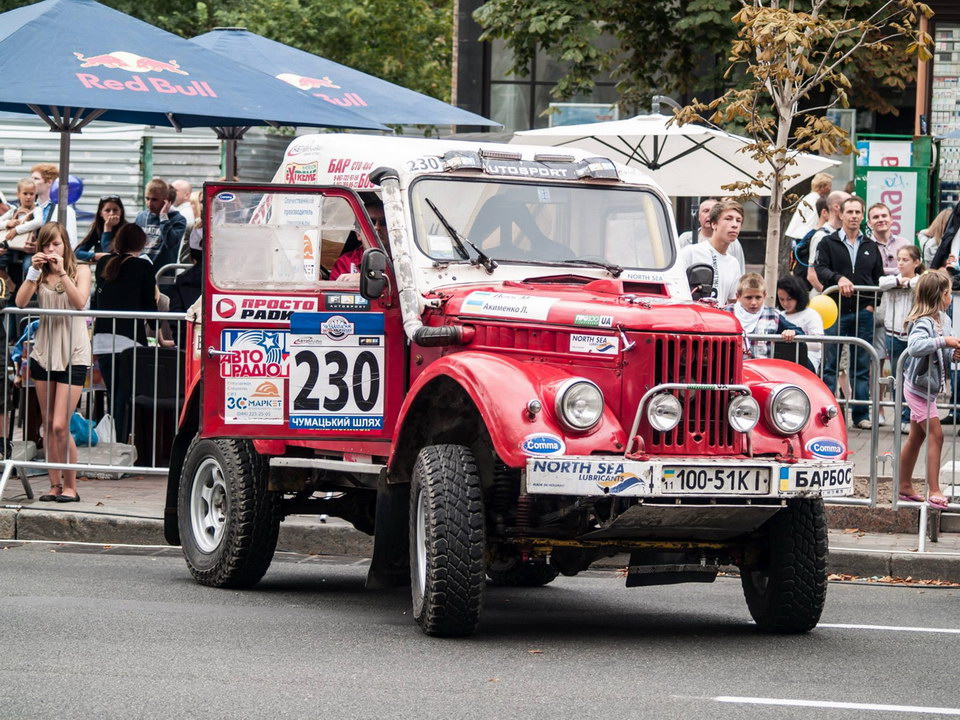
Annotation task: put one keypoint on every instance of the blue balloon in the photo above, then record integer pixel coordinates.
(74, 190)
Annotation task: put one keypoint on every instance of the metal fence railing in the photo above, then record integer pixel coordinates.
(136, 378)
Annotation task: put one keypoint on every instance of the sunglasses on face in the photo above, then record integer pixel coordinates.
(110, 198)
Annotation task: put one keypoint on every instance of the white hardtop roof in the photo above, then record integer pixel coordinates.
(348, 158)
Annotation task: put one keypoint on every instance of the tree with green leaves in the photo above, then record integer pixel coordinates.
(791, 62)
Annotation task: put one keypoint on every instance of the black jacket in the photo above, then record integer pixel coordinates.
(133, 289)
(833, 263)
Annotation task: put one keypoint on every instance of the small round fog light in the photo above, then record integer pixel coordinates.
(664, 412)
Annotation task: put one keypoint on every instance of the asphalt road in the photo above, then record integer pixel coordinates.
(126, 633)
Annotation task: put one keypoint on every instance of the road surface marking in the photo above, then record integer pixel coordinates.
(891, 628)
(837, 705)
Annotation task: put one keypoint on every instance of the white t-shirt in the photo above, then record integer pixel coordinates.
(811, 323)
(726, 268)
(735, 249)
(805, 218)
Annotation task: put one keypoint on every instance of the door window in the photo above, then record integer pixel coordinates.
(279, 241)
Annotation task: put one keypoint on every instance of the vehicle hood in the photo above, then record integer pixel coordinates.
(601, 304)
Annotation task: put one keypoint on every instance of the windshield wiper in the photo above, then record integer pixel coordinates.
(489, 264)
(611, 268)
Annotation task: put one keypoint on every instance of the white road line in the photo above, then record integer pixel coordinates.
(891, 628)
(837, 705)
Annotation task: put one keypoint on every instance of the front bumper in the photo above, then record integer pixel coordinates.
(688, 477)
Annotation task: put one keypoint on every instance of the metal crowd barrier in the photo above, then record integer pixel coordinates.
(146, 380)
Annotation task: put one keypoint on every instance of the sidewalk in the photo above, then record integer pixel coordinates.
(130, 511)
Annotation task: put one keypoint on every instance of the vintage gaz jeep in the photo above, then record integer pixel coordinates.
(516, 384)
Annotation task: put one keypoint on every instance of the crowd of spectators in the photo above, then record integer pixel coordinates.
(112, 266)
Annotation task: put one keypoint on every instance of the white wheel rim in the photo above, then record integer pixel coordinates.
(421, 541)
(208, 505)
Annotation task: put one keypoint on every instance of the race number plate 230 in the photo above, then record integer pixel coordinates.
(709, 480)
(336, 371)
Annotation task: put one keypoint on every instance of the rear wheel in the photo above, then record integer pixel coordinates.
(786, 586)
(229, 521)
(446, 541)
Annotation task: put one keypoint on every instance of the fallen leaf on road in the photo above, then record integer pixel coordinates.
(851, 531)
(493, 680)
(535, 652)
(890, 580)
(99, 503)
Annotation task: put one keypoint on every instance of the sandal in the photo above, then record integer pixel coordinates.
(938, 501)
(910, 497)
(51, 497)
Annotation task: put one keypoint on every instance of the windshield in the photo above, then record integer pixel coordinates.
(541, 223)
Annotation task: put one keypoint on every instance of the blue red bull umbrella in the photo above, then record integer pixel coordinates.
(72, 61)
(335, 85)
(81, 54)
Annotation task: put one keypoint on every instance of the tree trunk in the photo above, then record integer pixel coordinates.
(774, 211)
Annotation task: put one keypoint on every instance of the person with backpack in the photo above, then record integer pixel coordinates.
(800, 259)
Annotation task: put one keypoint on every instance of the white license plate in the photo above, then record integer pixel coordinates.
(709, 480)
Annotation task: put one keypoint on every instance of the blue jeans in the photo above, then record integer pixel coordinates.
(858, 324)
(896, 348)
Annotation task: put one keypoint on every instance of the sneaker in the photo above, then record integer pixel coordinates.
(863, 424)
(905, 427)
(949, 420)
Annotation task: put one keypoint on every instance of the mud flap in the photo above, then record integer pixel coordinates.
(390, 566)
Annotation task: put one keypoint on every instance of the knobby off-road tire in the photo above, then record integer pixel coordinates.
(228, 520)
(446, 541)
(786, 589)
(517, 573)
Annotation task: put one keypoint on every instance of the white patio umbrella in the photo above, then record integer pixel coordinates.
(686, 160)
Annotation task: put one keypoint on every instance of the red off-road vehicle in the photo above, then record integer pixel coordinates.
(513, 383)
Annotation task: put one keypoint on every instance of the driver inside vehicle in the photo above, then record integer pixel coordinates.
(347, 267)
(517, 233)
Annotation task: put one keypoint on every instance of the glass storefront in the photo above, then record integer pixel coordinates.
(945, 107)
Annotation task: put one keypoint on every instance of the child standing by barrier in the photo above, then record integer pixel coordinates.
(931, 346)
(898, 302)
(60, 355)
(758, 319)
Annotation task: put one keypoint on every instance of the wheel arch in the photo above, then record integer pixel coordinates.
(468, 397)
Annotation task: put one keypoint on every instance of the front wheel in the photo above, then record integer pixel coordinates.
(228, 520)
(446, 541)
(786, 585)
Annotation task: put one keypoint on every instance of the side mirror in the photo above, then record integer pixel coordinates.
(373, 279)
(700, 278)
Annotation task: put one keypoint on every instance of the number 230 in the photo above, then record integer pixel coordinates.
(365, 396)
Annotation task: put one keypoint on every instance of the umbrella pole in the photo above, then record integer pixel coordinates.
(230, 135)
(64, 195)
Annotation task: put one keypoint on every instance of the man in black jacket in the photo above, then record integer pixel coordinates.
(847, 258)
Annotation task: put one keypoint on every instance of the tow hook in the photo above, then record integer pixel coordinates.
(789, 457)
(627, 345)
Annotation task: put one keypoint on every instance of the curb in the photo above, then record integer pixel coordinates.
(305, 537)
(309, 537)
(919, 566)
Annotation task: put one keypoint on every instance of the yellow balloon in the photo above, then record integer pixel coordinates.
(827, 308)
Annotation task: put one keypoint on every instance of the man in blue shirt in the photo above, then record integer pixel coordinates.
(848, 258)
(164, 226)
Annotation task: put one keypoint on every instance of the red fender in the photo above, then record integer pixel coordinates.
(500, 388)
(762, 376)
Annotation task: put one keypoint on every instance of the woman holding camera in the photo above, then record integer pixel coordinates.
(60, 356)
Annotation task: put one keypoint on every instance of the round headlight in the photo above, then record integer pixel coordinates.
(743, 413)
(789, 409)
(579, 404)
(664, 412)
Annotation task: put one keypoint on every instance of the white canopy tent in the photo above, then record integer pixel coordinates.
(686, 160)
